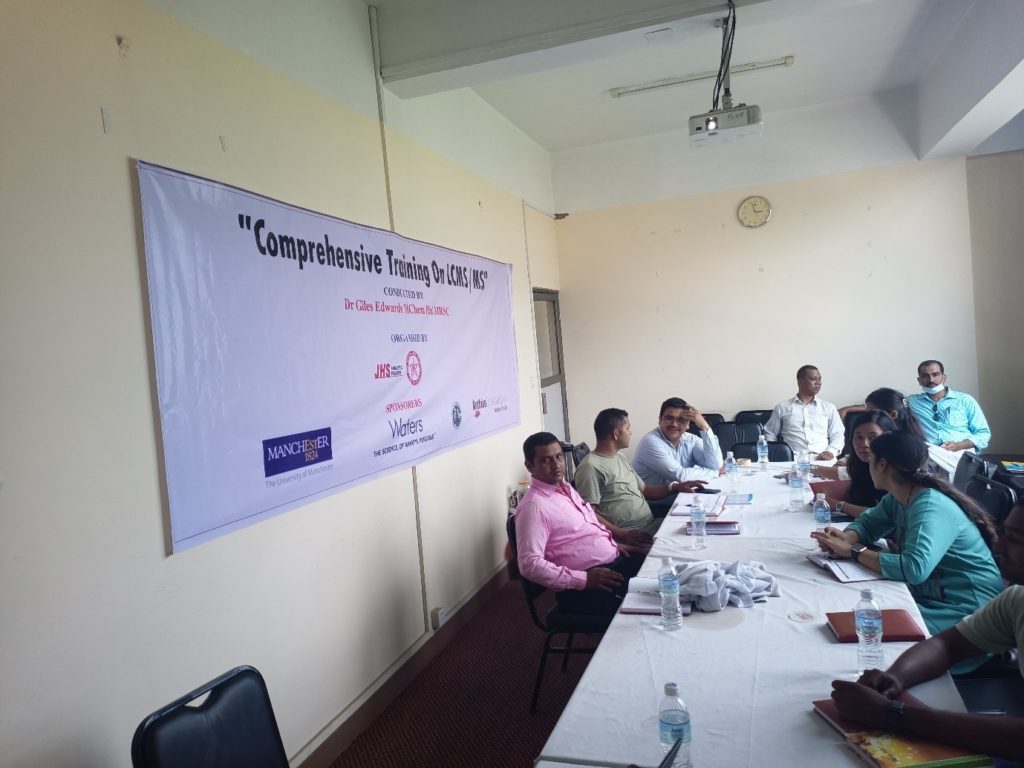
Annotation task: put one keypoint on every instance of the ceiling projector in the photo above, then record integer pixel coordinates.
(720, 126)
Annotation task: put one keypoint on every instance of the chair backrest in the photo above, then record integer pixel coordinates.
(761, 417)
(711, 418)
(777, 451)
(579, 452)
(531, 589)
(729, 433)
(970, 464)
(992, 496)
(233, 727)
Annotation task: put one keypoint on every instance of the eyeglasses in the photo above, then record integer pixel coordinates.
(937, 415)
(676, 420)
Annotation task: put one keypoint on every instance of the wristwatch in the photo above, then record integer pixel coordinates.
(855, 551)
(673, 483)
(894, 717)
(839, 507)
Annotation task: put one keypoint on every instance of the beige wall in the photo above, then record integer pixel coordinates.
(863, 274)
(995, 187)
(98, 625)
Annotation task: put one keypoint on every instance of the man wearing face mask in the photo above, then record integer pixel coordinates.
(950, 419)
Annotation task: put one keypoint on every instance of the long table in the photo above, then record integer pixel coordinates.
(748, 675)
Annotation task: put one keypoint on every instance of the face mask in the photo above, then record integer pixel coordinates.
(934, 390)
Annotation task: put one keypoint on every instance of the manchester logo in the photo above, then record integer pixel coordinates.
(456, 415)
(413, 368)
(288, 452)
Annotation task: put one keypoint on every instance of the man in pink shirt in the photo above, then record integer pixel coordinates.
(561, 543)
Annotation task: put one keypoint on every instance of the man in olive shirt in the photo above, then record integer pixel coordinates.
(607, 480)
(996, 626)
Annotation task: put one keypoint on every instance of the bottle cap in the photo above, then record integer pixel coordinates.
(820, 496)
(666, 561)
(728, 454)
(865, 594)
(671, 689)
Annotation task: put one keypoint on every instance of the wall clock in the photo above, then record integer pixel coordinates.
(754, 212)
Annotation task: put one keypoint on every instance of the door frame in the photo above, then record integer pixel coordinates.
(551, 297)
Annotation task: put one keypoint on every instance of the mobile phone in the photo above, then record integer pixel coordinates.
(708, 490)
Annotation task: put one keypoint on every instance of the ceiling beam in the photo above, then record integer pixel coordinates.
(976, 85)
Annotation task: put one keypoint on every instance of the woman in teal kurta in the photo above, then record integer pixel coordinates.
(940, 541)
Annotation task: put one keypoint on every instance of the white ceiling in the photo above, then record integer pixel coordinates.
(554, 85)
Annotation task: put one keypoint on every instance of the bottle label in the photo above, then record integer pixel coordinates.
(671, 730)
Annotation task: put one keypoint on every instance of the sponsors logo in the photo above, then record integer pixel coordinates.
(283, 454)
(478, 405)
(403, 405)
(413, 368)
(498, 403)
(456, 415)
(405, 427)
(388, 371)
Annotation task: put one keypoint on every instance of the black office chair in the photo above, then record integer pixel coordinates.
(777, 451)
(970, 464)
(711, 418)
(760, 417)
(233, 728)
(994, 688)
(556, 622)
(729, 433)
(579, 452)
(992, 496)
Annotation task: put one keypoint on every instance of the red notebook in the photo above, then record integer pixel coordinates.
(897, 625)
(888, 750)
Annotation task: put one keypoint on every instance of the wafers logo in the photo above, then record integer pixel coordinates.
(283, 454)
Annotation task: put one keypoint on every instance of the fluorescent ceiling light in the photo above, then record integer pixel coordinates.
(626, 90)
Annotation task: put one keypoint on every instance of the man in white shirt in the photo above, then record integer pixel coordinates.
(805, 422)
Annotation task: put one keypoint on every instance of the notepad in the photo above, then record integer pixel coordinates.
(643, 596)
(713, 505)
(897, 625)
(888, 750)
(739, 498)
(717, 528)
(845, 571)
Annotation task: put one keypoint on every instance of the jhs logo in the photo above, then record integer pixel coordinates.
(383, 371)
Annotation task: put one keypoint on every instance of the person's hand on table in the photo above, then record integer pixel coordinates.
(688, 486)
(825, 456)
(961, 445)
(832, 540)
(859, 703)
(604, 579)
(883, 682)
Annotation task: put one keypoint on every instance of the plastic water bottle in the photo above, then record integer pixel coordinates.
(674, 724)
(698, 524)
(762, 453)
(804, 460)
(668, 586)
(822, 513)
(867, 619)
(796, 489)
(732, 469)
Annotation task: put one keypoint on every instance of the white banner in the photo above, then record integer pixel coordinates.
(297, 354)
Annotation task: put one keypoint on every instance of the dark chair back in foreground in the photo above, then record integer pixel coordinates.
(970, 464)
(777, 451)
(994, 497)
(234, 727)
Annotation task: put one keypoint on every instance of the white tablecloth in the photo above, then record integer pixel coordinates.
(748, 675)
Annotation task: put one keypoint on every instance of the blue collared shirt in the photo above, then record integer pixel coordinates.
(658, 462)
(957, 416)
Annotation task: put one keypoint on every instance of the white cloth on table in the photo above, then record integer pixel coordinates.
(712, 585)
